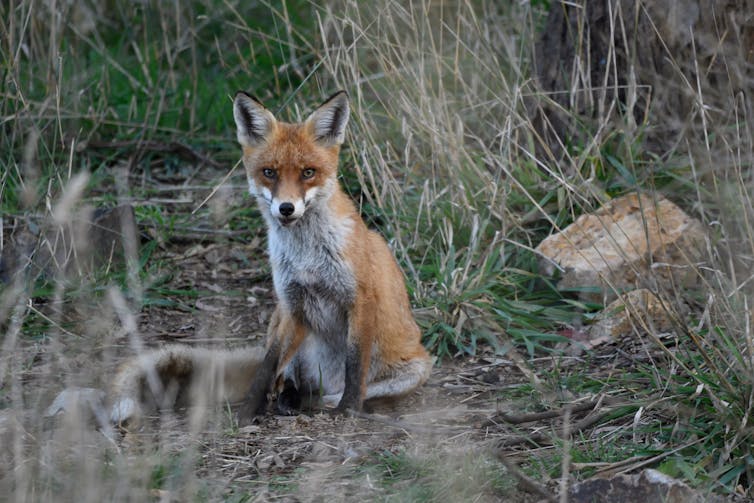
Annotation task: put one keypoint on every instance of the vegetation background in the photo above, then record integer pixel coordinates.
(473, 136)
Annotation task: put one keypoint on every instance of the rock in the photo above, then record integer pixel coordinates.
(629, 242)
(649, 486)
(96, 239)
(113, 236)
(638, 309)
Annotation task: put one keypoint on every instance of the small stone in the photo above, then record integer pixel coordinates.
(101, 238)
(630, 241)
(635, 310)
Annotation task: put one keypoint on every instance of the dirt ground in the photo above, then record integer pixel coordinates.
(448, 421)
(461, 437)
(210, 285)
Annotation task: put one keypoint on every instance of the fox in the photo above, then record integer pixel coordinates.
(342, 331)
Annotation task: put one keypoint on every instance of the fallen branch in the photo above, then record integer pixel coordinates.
(527, 483)
(540, 438)
(541, 416)
(589, 420)
(555, 413)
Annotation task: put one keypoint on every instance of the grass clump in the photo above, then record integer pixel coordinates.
(450, 184)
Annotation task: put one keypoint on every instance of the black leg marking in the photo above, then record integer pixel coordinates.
(352, 393)
(255, 403)
(289, 400)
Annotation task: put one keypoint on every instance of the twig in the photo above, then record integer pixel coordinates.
(526, 482)
(217, 187)
(551, 414)
(201, 231)
(629, 467)
(541, 416)
(565, 465)
(538, 438)
(51, 321)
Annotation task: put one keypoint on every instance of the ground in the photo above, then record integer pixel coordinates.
(206, 282)
(485, 427)
(443, 425)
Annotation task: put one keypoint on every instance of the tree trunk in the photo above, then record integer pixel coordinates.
(662, 63)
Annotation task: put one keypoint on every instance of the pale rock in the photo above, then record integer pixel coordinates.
(640, 310)
(631, 242)
(91, 399)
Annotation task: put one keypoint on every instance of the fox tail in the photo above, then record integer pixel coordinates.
(178, 376)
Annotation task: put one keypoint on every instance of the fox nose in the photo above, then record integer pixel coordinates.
(287, 209)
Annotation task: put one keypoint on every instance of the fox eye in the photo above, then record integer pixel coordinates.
(307, 173)
(269, 173)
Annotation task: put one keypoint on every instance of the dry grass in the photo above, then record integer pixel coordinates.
(453, 152)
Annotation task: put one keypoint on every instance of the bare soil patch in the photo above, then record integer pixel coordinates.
(316, 454)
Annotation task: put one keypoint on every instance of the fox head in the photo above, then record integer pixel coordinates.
(290, 167)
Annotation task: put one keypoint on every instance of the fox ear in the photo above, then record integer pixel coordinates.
(330, 119)
(254, 122)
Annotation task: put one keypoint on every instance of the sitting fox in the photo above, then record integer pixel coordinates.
(342, 331)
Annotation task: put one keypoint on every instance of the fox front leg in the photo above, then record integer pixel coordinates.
(358, 358)
(284, 338)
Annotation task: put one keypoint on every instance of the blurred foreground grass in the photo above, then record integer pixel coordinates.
(443, 156)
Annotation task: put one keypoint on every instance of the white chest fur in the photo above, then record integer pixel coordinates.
(312, 277)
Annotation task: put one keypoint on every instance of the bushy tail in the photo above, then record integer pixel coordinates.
(181, 375)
